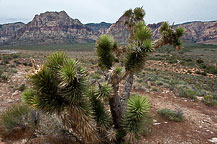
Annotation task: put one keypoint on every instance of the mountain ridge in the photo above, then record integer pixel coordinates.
(59, 27)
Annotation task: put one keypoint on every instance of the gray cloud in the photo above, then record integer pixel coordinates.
(177, 11)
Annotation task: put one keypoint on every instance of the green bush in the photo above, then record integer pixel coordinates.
(153, 88)
(1, 72)
(211, 69)
(209, 100)
(4, 77)
(204, 73)
(185, 91)
(17, 116)
(95, 76)
(22, 87)
(16, 62)
(11, 71)
(199, 61)
(171, 115)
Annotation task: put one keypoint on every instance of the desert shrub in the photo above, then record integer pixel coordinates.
(17, 116)
(25, 63)
(209, 100)
(172, 59)
(22, 87)
(172, 115)
(5, 61)
(11, 71)
(199, 61)
(12, 65)
(51, 127)
(16, 62)
(1, 72)
(198, 72)
(153, 88)
(4, 77)
(185, 91)
(95, 76)
(188, 60)
(204, 73)
(211, 69)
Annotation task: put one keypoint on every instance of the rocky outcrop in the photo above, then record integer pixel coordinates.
(99, 28)
(119, 31)
(7, 30)
(201, 32)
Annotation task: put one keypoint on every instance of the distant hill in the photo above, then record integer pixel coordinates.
(47, 28)
(99, 28)
(58, 27)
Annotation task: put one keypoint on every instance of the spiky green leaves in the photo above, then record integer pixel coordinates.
(137, 107)
(136, 58)
(118, 70)
(47, 97)
(55, 61)
(105, 44)
(180, 31)
(28, 96)
(59, 83)
(137, 14)
(142, 32)
(73, 85)
(164, 27)
(135, 117)
(135, 61)
(139, 48)
(171, 36)
(68, 72)
(100, 114)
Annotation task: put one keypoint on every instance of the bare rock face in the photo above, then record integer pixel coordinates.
(119, 31)
(52, 27)
(99, 28)
(201, 32)
(7, 30)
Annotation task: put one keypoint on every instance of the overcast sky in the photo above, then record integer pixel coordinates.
(87, 11)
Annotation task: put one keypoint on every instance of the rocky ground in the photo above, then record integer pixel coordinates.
(199, 126)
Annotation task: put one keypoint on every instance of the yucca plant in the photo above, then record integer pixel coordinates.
(93, 111)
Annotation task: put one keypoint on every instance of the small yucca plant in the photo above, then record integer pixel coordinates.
(135, 117)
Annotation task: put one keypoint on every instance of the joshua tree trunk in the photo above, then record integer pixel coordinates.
(126, 91)
(115, 103)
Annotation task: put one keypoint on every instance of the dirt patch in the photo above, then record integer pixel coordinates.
(199, 127)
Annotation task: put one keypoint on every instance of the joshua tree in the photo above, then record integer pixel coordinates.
(98, 112)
